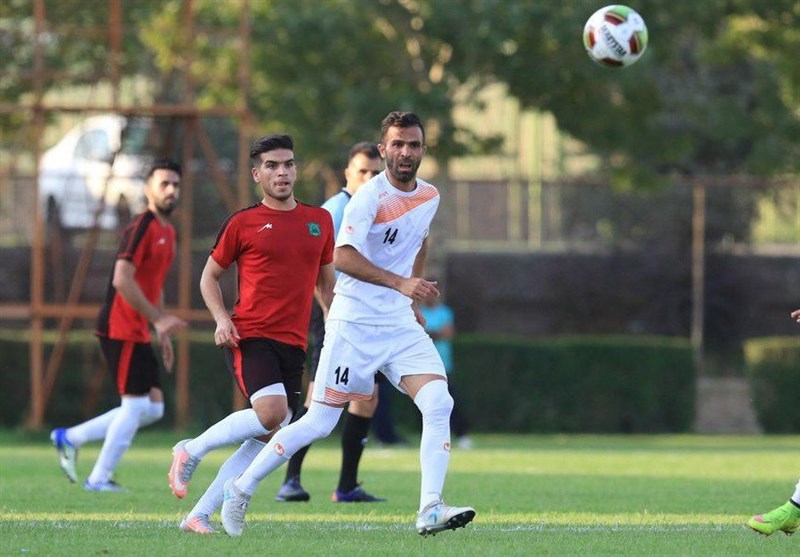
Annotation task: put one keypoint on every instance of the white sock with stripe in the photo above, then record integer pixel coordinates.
(435, 404)
(235, 465)
(234, 428)
(796, 496)
(317, 423)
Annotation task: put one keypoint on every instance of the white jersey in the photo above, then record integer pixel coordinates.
(387, 226)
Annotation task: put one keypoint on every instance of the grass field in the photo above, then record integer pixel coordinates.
(534, 495)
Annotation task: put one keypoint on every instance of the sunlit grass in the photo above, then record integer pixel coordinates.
(534, 495)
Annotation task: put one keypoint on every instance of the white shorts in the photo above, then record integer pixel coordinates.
(353, 353)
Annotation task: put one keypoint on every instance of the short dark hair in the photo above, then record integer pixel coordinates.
(269, 143)
(370, 150)
(401, 120)
(164, 164)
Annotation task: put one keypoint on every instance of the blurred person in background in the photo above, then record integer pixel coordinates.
(440, 327)
(383, 420)
(135, 300)
(364, 162)
(785, 518)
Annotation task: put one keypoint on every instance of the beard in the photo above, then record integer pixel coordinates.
(165, 207)
(393, 166)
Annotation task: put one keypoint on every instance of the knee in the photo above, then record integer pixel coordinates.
(153, 413)
(445, 405)
(434, 400)
(271, 411)
(156, 411)
(271, 419)
(322, 419)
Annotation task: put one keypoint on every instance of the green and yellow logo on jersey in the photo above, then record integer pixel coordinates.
(314, 229)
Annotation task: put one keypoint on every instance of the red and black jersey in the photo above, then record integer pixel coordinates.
(278, 254)
(150, 246)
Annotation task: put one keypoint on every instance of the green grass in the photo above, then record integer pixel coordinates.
(534, 495)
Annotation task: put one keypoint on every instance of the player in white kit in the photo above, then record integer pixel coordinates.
(374, 323)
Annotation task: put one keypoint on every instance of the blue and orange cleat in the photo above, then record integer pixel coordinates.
(355, 495)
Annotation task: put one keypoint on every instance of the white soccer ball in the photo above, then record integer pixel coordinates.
(615, 36)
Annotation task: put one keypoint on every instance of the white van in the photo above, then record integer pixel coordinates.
(102, 157)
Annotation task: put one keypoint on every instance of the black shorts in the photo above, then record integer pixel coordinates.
(259, 362)
(133, 365)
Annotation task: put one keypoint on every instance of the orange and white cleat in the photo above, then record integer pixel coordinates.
(199, 524)
(183, 466)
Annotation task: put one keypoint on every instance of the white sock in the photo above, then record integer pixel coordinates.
(155, 411)
(235, 465)
(796, 496)
(119, 436)
(91, 430)
(435, 404)
(317, 423)
(234, 428)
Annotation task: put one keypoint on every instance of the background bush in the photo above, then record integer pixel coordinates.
(773, 368)
(566, 384)
(571, 384)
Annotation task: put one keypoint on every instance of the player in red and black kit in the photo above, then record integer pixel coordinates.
(134, 300)
(284, 253)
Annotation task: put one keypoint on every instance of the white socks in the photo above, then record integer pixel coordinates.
(435, 404)
(95, 429)
(154, 413)
(91, 430)
(235, 465)
(234, 428)
(796, 496)
(119, 435)
(317, 423)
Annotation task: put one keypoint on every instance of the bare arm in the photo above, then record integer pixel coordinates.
(324, 290)
(417, 271)
(165, 341)
(348, 260)
(419, 262)
(124, 282)
(225, 333)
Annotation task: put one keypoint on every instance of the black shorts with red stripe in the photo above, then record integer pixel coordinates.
(133, 365)
(260, 362)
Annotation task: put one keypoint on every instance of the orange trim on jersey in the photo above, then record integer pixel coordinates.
(332, 396)
(238, 372)
(397, 206)
(124, 365)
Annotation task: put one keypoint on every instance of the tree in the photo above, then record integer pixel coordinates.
(716, 92)
(325, 71)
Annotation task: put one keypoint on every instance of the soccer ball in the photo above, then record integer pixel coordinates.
(615, 36)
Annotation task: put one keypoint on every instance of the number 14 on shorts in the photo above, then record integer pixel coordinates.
(342, 375)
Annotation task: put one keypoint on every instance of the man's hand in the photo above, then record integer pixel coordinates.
(226, 335)
(418, 288)
(168, 324)
(796, 315)
(167, 355)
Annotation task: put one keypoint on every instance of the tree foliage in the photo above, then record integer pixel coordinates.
(717, 91)
(325, 71)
